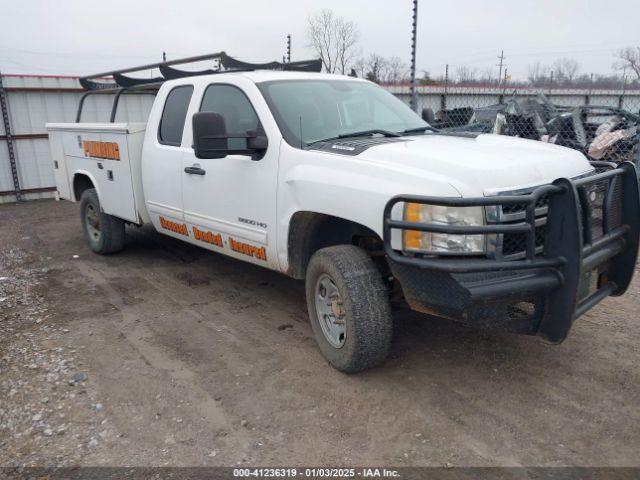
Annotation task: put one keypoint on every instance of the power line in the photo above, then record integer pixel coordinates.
(72, 55)
(24, 65)
(486, 59)
(537, 50)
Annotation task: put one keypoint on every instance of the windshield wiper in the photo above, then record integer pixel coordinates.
(373, 131)
(362, 133)
(419, 129)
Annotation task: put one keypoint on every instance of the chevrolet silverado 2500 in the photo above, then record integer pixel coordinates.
(333, 180)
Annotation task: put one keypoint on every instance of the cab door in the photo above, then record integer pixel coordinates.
(229, 203)
(162, 157)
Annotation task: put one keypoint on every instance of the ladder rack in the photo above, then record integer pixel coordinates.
(225, 63)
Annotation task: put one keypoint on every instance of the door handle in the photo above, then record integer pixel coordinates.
(195, 170)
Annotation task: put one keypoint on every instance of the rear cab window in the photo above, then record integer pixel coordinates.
(174, 115)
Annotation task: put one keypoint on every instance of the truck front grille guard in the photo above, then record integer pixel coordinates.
(570, 249)
(513, 246)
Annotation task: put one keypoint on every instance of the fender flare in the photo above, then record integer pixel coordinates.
(90, 176)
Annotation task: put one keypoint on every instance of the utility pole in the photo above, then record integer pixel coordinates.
(289, 48)
(446, 77)
(624, 87)
(443, 98)
(587, 99)
(504, 86)
(624, 79)
(502, 58)
(414, 39)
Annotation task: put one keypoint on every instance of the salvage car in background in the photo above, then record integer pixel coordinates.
(600, 132)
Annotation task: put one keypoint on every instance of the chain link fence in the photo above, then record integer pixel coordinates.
(602, 124)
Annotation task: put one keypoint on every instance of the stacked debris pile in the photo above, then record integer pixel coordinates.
(600, 132)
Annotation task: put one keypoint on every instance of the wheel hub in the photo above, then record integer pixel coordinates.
(330, 311)
(92, 220)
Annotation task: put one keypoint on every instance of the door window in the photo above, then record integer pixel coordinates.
(235, 107)
(174, 115)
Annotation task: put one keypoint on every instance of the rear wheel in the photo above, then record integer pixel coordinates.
(349, 308)
(104, 233)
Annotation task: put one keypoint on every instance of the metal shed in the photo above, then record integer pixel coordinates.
(32, 101)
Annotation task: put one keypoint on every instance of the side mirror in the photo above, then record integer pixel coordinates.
(211, 140)
(209, 135)
(257, 141)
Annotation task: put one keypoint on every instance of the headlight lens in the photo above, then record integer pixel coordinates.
(427, 242)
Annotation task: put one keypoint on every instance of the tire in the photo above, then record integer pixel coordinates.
(104, 233)
(361, 311)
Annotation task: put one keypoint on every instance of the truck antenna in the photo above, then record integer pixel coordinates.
(301, 142)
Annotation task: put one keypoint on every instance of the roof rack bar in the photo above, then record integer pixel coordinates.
(198, 58)
(127, 90)
(81, 104)
(149, 88)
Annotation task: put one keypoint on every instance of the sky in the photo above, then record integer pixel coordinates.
(79, 37)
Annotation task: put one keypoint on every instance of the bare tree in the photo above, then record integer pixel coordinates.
(566, 69)
(486, 75)
(396, 70)
(360, 66)
(629, 58)
(346, 44)
(538, 73)
(320, 32)
(376, 68)
(334, 39)
(465, 74)
(381, 70)
(427, 80)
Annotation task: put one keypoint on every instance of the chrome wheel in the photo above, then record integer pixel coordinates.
(330, 311)
(92, 220)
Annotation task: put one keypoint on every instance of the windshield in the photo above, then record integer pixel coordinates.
(311, 110)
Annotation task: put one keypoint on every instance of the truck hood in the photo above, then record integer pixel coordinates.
(479, 165)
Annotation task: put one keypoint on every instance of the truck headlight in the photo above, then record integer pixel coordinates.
(428, 242)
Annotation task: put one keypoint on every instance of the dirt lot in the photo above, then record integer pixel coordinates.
(166, 354)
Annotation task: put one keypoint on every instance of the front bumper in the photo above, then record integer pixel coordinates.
(544, 292)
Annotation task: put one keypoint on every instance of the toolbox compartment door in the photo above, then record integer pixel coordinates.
(59, 165)
(108, 155)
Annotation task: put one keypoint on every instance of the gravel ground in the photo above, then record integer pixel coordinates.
(166, 354)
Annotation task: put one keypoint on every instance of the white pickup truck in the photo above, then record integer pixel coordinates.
(333, 180)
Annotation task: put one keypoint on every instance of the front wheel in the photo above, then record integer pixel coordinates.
(349, 308)
(104, 233)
